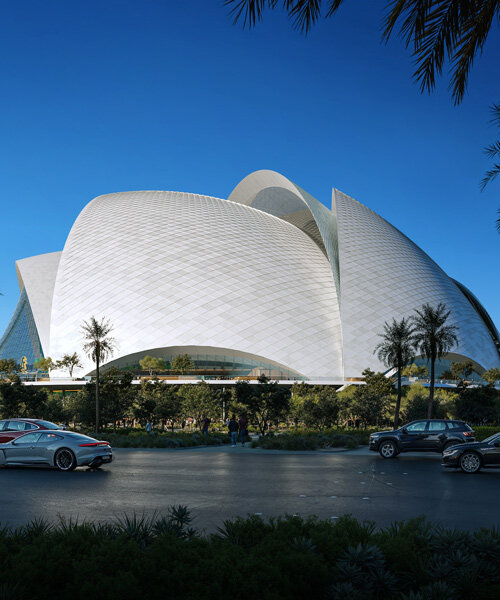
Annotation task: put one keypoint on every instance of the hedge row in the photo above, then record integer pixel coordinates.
(284, 558)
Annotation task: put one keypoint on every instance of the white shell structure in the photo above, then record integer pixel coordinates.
(270, 274)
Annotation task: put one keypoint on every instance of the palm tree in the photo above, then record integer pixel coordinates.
(70, 362)
(433, 338)
(98, 346)
(396, 351)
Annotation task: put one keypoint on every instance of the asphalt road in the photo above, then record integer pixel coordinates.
(219, 483)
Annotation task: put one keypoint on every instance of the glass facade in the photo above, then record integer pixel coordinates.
(20, 339)
(215, 364)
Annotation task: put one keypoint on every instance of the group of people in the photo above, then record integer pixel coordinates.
(237, 428)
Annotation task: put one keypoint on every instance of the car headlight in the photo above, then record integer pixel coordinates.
(451, 452)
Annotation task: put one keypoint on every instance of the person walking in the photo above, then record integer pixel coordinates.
(233, 430)
(149, 427)
(243, 426)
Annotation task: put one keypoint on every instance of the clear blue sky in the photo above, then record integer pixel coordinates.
(106, 96)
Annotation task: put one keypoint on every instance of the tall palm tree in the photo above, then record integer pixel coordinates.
(396, 351)
(97, 346)
(433, 338)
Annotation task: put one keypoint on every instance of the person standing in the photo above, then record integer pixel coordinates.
(243, 426)
(205, 424)
(149, 427)
(233, 430)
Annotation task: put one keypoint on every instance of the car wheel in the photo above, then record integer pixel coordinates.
(449, 444)
(65, 460)
(388, 449)
(470, 462)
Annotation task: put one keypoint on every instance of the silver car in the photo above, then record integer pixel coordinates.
(65, 450)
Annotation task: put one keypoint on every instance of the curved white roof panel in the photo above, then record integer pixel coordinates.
(175, 269)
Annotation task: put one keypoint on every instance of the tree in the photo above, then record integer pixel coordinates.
(395, 351)
(462, 370)
(8, 366)
(492, 375)
(200, 401)
(416, 403)
(319, 407)
(151, 363)
(168, 403)
(182, 364)
(45, 365)
(414, 370)
(264, 404)
(479, 405)
(433, 338)
(98, 345)
(70, 362)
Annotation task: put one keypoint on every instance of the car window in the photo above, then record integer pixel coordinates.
(29, 438)
(2, 425)
(437, 426)
(418, 426)
(29, 426)
(48, 425)
(15, 426)
(46, 438)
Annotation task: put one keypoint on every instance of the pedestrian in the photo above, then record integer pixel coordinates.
(243, 426)
(149, 427)
(233, 430)
(205, 424)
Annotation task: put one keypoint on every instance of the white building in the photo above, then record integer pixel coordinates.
(269, 280)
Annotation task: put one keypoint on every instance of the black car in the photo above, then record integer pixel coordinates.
(471, 457)
(427, 435)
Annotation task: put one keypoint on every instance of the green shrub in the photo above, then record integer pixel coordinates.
(288, 557)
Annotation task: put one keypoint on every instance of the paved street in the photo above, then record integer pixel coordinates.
(217, 483)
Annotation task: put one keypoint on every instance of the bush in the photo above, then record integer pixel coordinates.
(310, 440)
(288, 557)
(139, 439)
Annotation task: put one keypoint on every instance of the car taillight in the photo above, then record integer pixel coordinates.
(468, 433)
(94, 444)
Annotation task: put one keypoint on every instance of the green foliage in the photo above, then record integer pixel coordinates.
(417, 402)
(46, 365)
(317, 406)
(69, 362)
(8, 366)
(414, 370)
(182, 363)
(479, 405)
(265, 404)
(491, 375)
(18, 400)
(139, 439)
(312, 440)
(151, 363)
(200, 401)
(283, 558)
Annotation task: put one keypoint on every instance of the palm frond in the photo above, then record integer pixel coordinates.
(250, 11)
(474, 30)
(442, 29)
(490, 175)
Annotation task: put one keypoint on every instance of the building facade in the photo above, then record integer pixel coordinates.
(268, 281)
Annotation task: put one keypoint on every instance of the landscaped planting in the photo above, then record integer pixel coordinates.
(284, 558)
(140, 439)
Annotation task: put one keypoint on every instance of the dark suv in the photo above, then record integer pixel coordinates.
(434, 435)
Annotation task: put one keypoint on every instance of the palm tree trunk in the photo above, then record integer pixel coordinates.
(398, 401)
(97, 395)
(431, 390)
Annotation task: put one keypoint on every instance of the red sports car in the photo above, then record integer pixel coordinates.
(10, 429)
